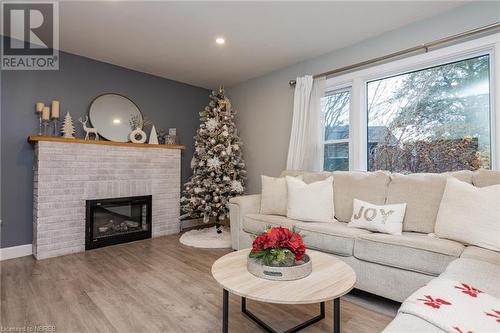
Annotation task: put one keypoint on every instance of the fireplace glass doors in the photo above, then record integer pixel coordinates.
(117, 220)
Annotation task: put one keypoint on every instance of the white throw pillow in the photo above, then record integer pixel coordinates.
(310, 202)
(470, 214)
(387, 219)
(274, 195)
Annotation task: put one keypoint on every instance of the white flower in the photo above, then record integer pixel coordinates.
(197, 190)
(226, 178)
(225, 133)
(202, 163)
(236, 186)
(213, 163)
(192, 200)
(211, 124)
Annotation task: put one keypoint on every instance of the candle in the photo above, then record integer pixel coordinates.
(39, 107)
(46, 113)
(55, 110)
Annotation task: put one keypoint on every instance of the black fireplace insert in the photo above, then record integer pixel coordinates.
(117, 220)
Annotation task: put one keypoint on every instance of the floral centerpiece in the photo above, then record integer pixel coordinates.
(279, 254)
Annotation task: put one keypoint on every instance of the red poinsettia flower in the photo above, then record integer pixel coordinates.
(296, 245)
(469, 290)
(433, 302)
(495, 314)
(280, 238)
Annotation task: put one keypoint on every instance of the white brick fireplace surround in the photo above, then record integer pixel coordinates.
(66, 174)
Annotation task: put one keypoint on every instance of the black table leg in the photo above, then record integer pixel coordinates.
(294, 329)
(336, 315)
(225, 311)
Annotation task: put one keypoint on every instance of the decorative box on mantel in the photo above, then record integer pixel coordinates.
(69, 172)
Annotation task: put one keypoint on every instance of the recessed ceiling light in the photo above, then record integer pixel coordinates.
(116, 121)
(220, 40)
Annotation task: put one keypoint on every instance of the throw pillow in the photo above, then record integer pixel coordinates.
(387, 219)
(470, 214)
(274, 195)
(310, 202)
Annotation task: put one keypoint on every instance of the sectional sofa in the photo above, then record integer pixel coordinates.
(387, 265)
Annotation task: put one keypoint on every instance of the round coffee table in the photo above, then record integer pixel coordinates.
(330, 279)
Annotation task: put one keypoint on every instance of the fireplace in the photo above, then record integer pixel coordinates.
(117, 220)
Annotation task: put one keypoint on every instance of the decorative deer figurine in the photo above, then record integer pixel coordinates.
(88, 130)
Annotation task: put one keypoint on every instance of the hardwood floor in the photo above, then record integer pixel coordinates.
(156, 285)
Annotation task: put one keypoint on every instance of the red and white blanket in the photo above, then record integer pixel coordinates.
(455, 307)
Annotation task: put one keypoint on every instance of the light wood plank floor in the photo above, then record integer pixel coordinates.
(155, 285)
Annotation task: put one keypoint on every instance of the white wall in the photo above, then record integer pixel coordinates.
(264, 104)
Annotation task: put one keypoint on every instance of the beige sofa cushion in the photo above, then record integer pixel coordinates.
(478, 253)
(483, 178)
(470, 214)
(422, 193)
(257, 223)
(307, 176)
(334, 237)
(411, 251)
(274, 196)
(349, 185)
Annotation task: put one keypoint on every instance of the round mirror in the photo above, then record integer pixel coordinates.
(110, 114)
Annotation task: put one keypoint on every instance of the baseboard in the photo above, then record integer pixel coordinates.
(16, 252)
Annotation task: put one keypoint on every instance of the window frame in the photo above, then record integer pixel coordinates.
(358, 111)
(331, 89)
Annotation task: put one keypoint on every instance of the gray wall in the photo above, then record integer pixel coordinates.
(167, 103)
(265, 104)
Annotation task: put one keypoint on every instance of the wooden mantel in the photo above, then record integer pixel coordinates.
(35, 138)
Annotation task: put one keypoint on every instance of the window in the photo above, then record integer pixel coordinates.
(336, 105)
(432, 112)
(431, 120)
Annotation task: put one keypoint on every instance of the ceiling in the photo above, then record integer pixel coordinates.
(176, 40)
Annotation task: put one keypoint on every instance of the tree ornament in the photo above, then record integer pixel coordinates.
(213, 163)
(153, 136)
(67, 127)
(236, 186)
(212, 124)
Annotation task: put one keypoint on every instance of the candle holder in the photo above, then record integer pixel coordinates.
(40, 130)
(45, 127)
(56, 132)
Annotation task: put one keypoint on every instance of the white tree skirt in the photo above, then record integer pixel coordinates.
(207, 238)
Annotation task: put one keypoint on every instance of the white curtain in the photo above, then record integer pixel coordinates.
(305, 151)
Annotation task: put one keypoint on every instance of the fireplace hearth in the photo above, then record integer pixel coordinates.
(117, 220)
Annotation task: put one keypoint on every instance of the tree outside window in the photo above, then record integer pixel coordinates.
(431, 120)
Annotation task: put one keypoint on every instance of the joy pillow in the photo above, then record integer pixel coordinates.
(387, 219)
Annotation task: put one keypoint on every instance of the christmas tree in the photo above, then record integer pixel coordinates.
(218, 166)
(67, 127)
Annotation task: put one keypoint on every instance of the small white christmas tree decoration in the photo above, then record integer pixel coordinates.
(153, 136)
(218, 166)
(67, 127)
